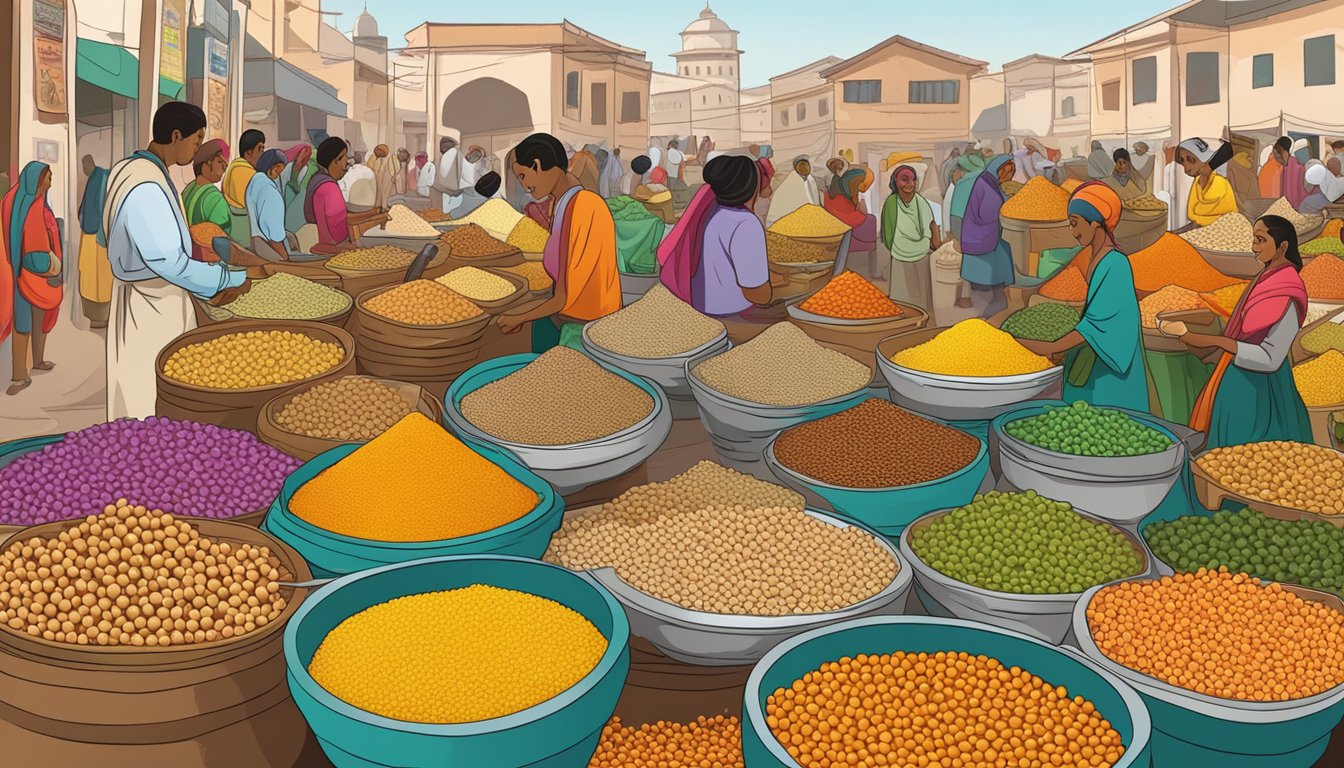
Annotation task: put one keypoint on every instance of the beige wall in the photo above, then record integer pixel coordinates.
(1155, 119)
(814, 134)
(1206, 120)
(1283, 36)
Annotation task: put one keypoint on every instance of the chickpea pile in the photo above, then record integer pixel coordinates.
(1294, 475)
(1221, 634)
(785, 250)
(252, 359)
(735, 557)
(350, 408)
(136, 577)
(709, 742)
(1320, 380)
(423, 302)
(946, 708)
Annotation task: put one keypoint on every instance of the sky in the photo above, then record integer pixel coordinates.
(781, 35)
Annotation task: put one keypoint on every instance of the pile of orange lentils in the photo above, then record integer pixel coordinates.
(1068, 285)
(1173, 261)
(1222, 634)
(851, 297)
(709, 742)
(1324, 277)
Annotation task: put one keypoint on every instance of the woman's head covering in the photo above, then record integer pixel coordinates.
(971, 163)
(208, 150)
(421, 158)
(641, 165)
(655, 157)
(902, 171)
(269, 159)
(993, 166)
(734, 179)
(767, 151)
(299, 154)
(1215, 152)
(1097, 203)
(847, 184)
(1302, 150)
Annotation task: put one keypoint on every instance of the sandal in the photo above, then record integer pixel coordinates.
(18, 386)
(45, 365)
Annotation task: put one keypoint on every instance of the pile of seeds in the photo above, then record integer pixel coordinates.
(1294, 475)
(560, 398)
(287, 297)
(735, 556)
(1039, 200)
(1324, 278)
(1224, 300)
(784, 250)
(1323, 338)
(1331, 245)
(1082, 429)
(1300, 221)
(136, 577)
(378, 257)
(528, 236)
(1042, 322)
(709, 742)
(1230, 233)
(1025, 544)
(403, 221)
(1172, 298)
(783, 366)
(432, 215)
(350, 409)
(1146, 203)
(1317, 311)
(535, 274)
(657, 325)
(1174, 261)
(1069, 285)
(1320, 380)
(850, 296)
(252, 359)
(477, 284)
(495, 216)
(875, 445)
(473, 242)
(1306, 552)
(972, 348)
(810, 221)
(422, 302)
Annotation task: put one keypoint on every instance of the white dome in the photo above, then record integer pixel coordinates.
(708, 22)
(365, 24)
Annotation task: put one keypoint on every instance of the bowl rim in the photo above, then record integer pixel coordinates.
(754, 712)
(999, 425)
(297, 671)
(922, 377)
(452, 407)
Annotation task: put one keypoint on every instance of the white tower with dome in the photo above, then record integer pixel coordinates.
(709, 51)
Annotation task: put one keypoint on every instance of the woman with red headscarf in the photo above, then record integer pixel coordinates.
(30, 285)
(1103, 355)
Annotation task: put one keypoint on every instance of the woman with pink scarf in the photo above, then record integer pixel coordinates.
(1251, 396)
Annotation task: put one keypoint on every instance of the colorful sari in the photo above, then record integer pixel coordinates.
(581, 258)
(986, 259)
(31, 242)
(1239, 406)
(1108, 370)
(1209, 203)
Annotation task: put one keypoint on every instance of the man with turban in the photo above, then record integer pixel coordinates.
(201, 199)
(1103, 355)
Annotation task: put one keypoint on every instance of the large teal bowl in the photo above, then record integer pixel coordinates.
(332, 554)
(794, 658)
(562, 732)
(889, 510)
(17, 449)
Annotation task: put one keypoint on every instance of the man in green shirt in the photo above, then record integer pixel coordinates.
(201, 199)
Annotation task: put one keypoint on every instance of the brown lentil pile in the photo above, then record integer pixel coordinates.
(472, 242)
(135, 577)
(709, 742)
(422, 302)
(875, 445)
(535, 273)
(737, 557)
(657, 325)
(351, 408)
(375, 258)
(560, 398)
(785, 250)
(783, 366)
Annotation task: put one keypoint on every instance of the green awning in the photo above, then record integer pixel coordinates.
(171, 89)
(107, 66)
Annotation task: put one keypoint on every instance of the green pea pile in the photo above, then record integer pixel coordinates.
(1322, 245)
(1043, 322)
(284, 297)
(1306, 552)
(1082, 429)
(1026, 544)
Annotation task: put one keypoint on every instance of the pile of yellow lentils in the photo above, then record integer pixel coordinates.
(252, 359)
(971, 348)
(423, 302)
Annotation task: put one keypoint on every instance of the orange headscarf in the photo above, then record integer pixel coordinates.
(1097, 203)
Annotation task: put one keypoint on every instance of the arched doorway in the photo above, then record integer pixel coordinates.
(494, 114)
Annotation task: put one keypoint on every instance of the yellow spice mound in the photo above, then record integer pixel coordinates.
(1038, 200)
(972, 348)
(809, 221)
(1320, 380)
(414, 482)
(459, 656)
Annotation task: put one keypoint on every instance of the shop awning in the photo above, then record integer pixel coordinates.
(107, 66)
(263, 77)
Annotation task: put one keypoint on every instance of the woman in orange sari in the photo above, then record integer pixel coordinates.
(30, 285)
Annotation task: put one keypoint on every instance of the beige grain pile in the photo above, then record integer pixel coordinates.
(784, 367)
(658, 325)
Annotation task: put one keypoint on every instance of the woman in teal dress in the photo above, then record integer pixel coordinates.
(1251, 396)
(1103, 362)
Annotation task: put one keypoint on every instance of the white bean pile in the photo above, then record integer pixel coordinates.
(783, 366)
(658, 325)
(1231, 233)
(403, 221)
(1300, 221)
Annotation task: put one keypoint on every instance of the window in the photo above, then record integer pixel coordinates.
(863, 91)
(685, 70)
(1262, 71)
(598, 103)
(934, 91)
(1318, 59)
(572, 90)
(1110, 96)
(1067, 108)
(1201, 79)
(802, 112)
(697, 70)
(720, 71)
(720, 98)
(730, 70)
(704, 99)
(784, 117)
(823, 107)
(630, 111)
(1145, 80)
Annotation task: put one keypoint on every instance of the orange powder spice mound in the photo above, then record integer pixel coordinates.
(1324, 277)
(1224, 300)
(414, 482)
(1173, 261)
(1068, 285)
(851, 297)
(1038, 200)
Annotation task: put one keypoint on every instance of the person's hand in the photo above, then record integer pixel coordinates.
(510, 323)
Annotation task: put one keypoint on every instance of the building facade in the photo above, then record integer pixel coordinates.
(702, 97)
(802, 113)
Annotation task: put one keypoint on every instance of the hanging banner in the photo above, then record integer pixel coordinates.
(49, 57)
(49, 19)
(172, 60)
(216, 87)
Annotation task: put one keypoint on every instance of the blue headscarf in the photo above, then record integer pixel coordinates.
(971, 165)
(25, 197)
(992, 170)
(91, 207)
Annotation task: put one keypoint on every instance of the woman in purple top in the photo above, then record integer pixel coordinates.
(714, 259)
(986, 262)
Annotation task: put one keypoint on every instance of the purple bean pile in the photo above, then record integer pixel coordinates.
(180, 467)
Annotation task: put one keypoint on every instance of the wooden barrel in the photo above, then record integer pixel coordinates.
(1027, 237)
(212, 704)
(429, 355)
(305, 447)
(238, 408)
